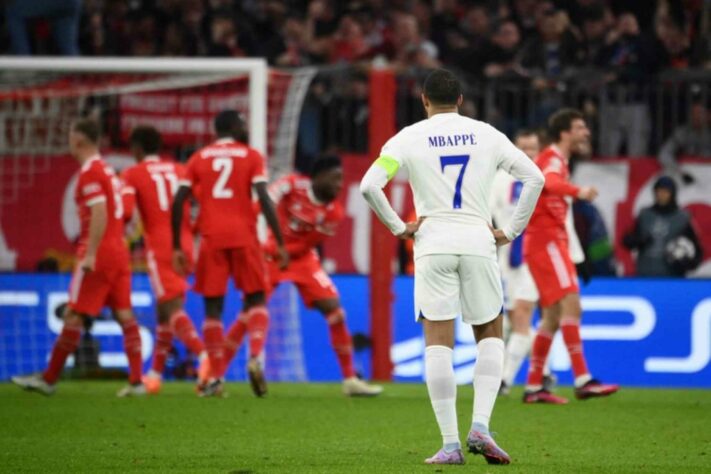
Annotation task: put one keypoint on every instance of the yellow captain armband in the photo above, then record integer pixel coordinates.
(389, 164)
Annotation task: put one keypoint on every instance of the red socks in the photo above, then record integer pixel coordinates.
(570, 327)
(256, 323)
(234, 337)
(341, 341)
(64, 346)
(257, 326)
(212, 331)
(164, 342)
(185, 331)
(132, 347)
(539, 354)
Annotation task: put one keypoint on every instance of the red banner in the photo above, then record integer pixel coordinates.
(38, 217)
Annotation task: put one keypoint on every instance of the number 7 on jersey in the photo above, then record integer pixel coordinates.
(452, 160)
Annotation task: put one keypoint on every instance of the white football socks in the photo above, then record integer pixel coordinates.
(487, 378)
(517, 349)
(439, 375)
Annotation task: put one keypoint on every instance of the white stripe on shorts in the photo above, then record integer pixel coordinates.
(75, 285)
(561, 271)
(153, 274)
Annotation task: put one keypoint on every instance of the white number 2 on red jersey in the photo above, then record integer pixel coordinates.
(220, 189)
(162, 189)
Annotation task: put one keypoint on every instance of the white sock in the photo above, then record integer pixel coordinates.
(487, 378)
(517, 350)
(153, 374)
(439, 375)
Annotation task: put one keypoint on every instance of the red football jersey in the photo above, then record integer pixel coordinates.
(98, 183)
(221, 176)
(304, 220)
(548, 219)
(153, 183)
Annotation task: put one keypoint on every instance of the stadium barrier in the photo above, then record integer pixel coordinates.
(638, 332)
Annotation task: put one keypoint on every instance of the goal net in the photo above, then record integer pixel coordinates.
(39, 98)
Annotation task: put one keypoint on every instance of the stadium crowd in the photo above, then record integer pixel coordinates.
(605, 57)
(489, 37)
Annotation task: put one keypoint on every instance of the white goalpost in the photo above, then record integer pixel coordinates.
(39, 98)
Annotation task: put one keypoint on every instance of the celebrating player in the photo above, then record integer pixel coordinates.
(455, 248)
(309, 213)
(546, 252)
(222, 176)
(151, 185)
(519, 287)
(103, 274)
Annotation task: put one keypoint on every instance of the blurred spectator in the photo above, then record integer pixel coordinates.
(290, 48)
(664, 236)
(143, 32)
(409, 47)
(349, 43)
(476, 29)
(225, 39)
(629, 61)
(594, 239)
(675, 51)
(553, 51)
(445, 28)
(62, 15)
(501, 60)
(524, 12)
(690, 139)
(596, 23)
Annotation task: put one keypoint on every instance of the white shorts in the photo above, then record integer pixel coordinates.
(519, 285)
(448, 285)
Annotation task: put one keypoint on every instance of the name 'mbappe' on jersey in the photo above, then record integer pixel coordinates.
(451, 161)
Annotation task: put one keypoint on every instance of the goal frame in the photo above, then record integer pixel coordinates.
(255, 68)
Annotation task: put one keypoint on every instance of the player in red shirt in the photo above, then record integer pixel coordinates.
(309, 213)
(150, 185)
(103, 274)
(222, 176)
(548, 258)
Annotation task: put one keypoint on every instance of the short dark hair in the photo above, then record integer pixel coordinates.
(146, 137)
(561, 121)
(89, 128)
(228, 122)
(325, 163)
(442, 87)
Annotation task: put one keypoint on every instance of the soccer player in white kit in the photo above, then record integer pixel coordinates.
(521, 294)
(451, 161)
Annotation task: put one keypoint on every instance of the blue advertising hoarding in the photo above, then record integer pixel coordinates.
(638, 332)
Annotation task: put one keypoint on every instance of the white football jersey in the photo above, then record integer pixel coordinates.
(504, 197)
(451, 161)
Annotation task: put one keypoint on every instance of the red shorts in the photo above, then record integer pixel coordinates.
(553, 271)
(215, 266)
(167, 284)
(306, 273)
(90, 292)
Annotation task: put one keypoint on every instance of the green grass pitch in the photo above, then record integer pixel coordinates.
(312, 428)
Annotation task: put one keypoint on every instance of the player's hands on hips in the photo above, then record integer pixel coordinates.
(180, 261)
(411, 229)
(88, 263)
(587, 193)
(499, 237)
(282, 257)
